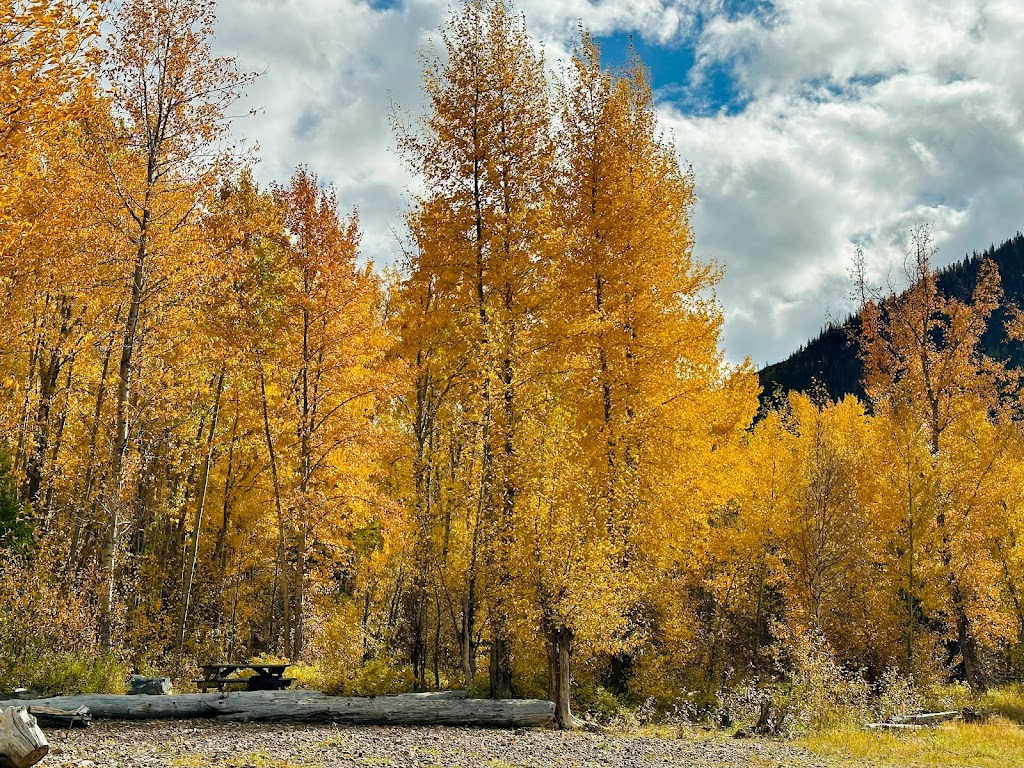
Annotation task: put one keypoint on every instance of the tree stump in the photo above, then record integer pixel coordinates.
(22, 744)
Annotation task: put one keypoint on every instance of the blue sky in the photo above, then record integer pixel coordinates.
(677, 74)
(811, 126)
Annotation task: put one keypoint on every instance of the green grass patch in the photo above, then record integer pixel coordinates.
(1006, 701)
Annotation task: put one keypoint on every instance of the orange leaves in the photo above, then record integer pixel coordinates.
(46, 62)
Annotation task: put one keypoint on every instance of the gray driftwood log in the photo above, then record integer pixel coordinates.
(186, 705)
(22, 744)
(913, 722)
(925, 718)
(396, 710)
(435, 708)
(47, 717)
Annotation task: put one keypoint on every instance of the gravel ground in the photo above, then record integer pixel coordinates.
(184, 744)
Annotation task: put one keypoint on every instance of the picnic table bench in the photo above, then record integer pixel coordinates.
(267, 677)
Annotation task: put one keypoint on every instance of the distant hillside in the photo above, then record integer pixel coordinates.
(831, 358)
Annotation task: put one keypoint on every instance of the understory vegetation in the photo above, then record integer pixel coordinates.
(518, 462)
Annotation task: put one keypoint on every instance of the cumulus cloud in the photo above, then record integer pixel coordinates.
(860, 121)
(331, 70)
(854, 122)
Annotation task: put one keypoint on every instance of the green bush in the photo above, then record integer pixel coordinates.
(16, 525)
(380, 676)
(60, 674)
(597, 703)
(69, 673)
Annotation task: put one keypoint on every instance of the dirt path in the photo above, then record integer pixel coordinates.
(194, 743)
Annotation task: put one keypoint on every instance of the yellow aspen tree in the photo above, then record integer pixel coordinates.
(46, 60)
(638, 335)
(56, 304)
(904, 518)
(827, 527)
(445, 550)
(923, 364)
(744, 559)
(243, 225)
(160, 153)
(482, 152)
(333, 360)
(836, 536)
(248, 313)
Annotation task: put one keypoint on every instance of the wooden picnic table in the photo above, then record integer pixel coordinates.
(267, 677)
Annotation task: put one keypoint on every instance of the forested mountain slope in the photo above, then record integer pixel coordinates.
(831, 357)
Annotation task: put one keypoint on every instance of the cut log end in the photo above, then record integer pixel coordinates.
(22, 744)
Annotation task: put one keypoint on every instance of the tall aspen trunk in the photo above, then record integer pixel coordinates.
(307, 417)
(423, 480)
(466, 636)
(501, 682)
(204, 482)
(57, 444)
(49, 370)
(559, 648)
(500, 662)
(910, 578)
(964, 632)
(221, 547)
(85, 510)
(437, 639)
(25, 418)
(276, 597)
(112, 495)
(298, 628)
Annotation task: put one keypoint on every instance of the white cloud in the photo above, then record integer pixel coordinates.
(331, 71)
(861, 120)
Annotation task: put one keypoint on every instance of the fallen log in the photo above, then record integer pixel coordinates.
(925, 718)
(913, 722)
(22, 744)
(394, 710)
(48, 717)
(435, 708)
(182, 706)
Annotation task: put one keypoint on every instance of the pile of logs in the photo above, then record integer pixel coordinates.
(444, 708)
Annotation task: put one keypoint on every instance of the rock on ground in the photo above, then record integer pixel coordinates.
(195, 743)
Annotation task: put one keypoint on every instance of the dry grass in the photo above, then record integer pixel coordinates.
(1006, 701)
(998, 743)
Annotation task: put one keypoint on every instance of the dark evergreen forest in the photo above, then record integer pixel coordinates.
(830, 361)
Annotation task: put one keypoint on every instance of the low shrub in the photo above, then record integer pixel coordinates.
(379, 676)
(596, 703)
(59, 674)
(47, 633)
(1006, 701)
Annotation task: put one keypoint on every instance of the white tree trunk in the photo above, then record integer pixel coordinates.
(22, 744)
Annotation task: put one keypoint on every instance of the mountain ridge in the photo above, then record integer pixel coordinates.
(829, 361)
